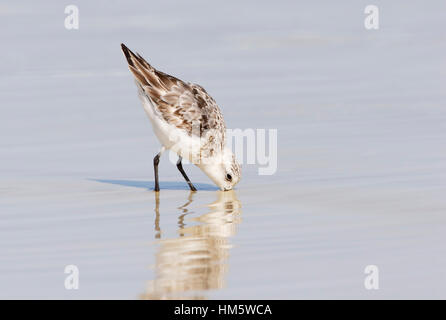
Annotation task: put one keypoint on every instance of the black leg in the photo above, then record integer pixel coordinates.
(156, 161)
(180, 167)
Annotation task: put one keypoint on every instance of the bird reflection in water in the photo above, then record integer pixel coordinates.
(196, 261)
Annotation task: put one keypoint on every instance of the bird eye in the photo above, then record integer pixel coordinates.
(228, 177)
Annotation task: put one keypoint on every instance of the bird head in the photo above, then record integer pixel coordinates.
(222, 169)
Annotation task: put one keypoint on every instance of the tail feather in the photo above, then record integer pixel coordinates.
(145, 74)
(132, 57)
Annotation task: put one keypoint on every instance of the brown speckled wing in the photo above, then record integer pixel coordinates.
(185, 105)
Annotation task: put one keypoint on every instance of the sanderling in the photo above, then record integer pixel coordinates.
(187, 121)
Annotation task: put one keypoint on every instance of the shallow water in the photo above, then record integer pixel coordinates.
(360, 178)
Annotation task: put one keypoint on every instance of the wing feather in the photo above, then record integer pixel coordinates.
(185, 105)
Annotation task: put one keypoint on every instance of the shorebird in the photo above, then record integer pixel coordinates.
(187, 121)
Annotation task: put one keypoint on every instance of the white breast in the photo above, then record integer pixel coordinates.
(171, 137)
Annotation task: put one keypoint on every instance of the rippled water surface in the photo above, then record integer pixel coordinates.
(361, 164)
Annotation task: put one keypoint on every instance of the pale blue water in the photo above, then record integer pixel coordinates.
(361, 173)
